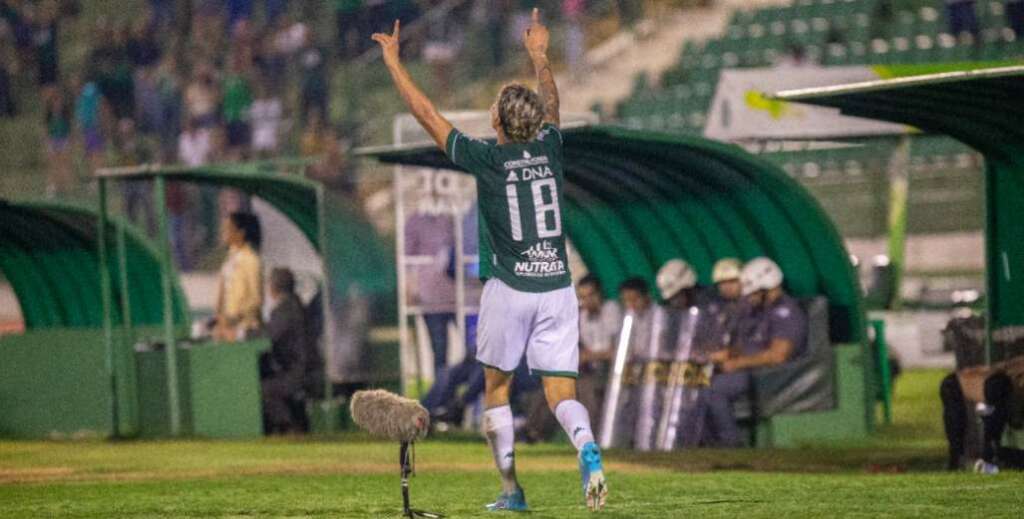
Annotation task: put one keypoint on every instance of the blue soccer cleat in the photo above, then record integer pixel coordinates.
(514, 502)
(595, 489)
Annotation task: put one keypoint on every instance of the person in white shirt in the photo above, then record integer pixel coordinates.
(195, 144)
(600, 322)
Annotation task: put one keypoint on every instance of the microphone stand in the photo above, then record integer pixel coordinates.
(406, 462)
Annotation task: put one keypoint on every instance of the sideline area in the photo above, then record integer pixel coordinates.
(349, 476)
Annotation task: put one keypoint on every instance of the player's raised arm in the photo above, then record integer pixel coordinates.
(422, 109)
(536, 39)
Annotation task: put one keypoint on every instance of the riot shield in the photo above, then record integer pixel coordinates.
(653, 360)
(684, 390)
(616, 382)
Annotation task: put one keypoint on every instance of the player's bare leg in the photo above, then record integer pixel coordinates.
(500, 435)
(575, 420)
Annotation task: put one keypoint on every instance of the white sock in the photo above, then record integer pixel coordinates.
(501, 437)
(575, 419)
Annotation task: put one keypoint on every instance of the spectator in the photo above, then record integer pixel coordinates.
(44, 38)
(240, 288)
(314, 85)
(177, 200)
(137, 194)
(89, 114)
(266, 114)
(201, 96)
(58, 133)
(8, 108)
(774, 331)
(600, 321)
(282, 369)
(236, 104)
(349, 27)
(143, 49)
(114, 74)
(195, 144)
(314, 138)
(996, 393)
(332, 168)
(1015, 17)
(274, 9)
(573, 11)
(238, 11)
(962, 17)
(168, 125)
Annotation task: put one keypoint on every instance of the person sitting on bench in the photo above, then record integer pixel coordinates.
(773, 331)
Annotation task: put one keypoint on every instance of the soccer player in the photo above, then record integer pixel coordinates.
(528, 304)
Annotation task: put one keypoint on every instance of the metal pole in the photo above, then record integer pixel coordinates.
(106, 297)
(127, 379)
(325, 298)
(403, 306)
(166, 270)
(460, 275)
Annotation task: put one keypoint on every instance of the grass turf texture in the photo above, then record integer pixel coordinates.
(351, 476)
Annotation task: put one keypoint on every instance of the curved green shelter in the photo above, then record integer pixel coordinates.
(983, 109)
(48, 253)
(636, 199)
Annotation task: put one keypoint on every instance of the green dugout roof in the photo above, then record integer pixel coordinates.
(637, 199)
(48, 253)
(354, 251)
(984, 109)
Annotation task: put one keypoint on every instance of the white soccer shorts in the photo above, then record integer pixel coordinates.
(545, 325)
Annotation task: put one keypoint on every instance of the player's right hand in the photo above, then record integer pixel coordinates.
(536, 37)
(389, 44)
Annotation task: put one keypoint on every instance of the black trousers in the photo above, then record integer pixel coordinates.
(998, 391)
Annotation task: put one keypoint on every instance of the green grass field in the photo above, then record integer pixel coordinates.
(896, 473)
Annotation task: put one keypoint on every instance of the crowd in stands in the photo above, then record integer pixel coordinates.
(746, 322)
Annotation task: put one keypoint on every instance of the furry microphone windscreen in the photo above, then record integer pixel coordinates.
(386, 415)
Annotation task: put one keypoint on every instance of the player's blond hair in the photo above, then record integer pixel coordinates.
(520, 112)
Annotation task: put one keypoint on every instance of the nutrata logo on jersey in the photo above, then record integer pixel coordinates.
(542, 260)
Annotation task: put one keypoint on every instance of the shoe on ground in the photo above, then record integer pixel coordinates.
(514, 502)
(984, 467)
(595, 489)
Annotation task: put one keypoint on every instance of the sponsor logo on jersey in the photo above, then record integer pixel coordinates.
(542, 260)
(526, 162)
(512, 177)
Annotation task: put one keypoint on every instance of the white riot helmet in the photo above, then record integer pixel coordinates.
(726, 269)
(675, 275)
(760, 274)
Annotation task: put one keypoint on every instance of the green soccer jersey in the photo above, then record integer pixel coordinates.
(519, 192)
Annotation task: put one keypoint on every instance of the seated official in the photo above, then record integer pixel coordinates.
(283, 367)
(997, 394)
(773, 331)
(240, 286)
(600, 321)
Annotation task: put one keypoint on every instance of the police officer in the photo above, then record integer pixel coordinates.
(724, 308)
(772, 332)
(677, 282)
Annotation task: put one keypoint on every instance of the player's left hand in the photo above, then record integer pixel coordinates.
(536, 37)
(389, 44)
